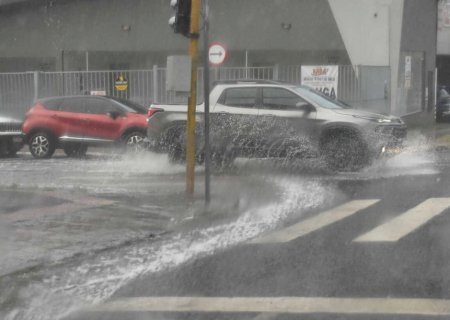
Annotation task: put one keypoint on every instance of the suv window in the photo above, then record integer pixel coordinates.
(99, 106)
(52, 104)
(281, 99)
(73, 105)
(240, 97)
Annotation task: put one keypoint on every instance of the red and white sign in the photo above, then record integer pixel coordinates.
(217, 53)
(321, 78)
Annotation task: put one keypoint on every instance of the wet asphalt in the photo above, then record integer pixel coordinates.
(82, 231)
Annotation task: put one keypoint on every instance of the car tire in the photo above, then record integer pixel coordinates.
(135, 142)
(42, 145)
(345, 152)
(75, 150)
(174, 142)
(7, 148)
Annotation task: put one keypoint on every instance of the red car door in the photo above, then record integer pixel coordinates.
(105, 119)
(72, 118)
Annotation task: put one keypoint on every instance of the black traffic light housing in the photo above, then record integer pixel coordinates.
(181, 22)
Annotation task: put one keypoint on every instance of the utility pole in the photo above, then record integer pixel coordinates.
(187, 22)
(192, 101)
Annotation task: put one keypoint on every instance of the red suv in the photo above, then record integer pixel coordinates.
(74, 123)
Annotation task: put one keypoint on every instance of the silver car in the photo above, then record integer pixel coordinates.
(251, 119)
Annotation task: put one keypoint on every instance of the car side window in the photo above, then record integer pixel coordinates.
(52, 104)
(240, 97)
(281, 99)
(99, 106)
(77, 105)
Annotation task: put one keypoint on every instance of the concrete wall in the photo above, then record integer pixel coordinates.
(136, 33)
(419, 41)
(364, 26)
(443, 24)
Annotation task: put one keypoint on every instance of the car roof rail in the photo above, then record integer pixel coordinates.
(246, 81)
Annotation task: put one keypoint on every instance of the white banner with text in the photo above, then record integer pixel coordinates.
(321, 78)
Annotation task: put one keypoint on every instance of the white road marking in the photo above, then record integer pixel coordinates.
(406, 223)
(292, 305)
(315, 223)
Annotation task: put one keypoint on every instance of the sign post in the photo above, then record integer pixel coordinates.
(206, 99)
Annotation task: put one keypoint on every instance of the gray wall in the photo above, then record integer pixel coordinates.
(419, 41)
(36, 32)
(419, 29)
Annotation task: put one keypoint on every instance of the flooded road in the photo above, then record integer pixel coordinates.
(121, 217)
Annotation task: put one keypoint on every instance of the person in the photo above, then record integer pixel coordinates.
(442, 103)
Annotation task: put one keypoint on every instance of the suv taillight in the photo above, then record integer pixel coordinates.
(153, 110)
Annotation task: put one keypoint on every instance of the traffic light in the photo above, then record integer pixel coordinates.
(181, 21)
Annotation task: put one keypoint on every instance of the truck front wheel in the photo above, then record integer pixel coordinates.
(345, 151)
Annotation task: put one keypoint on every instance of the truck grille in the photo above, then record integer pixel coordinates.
(398, 132)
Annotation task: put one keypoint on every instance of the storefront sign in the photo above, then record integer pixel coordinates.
(121, 84)
(321, 78)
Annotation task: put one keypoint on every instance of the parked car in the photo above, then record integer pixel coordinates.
(76, 122)
(442, 105)
(269, 119)
(11, 137)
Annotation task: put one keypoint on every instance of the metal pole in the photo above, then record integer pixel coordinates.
(206, 100)
(192, 101)
(156, 97)
(246, 64)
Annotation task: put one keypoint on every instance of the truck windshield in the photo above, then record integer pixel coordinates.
(320, 98)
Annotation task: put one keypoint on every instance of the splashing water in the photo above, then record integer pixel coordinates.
(64, 290)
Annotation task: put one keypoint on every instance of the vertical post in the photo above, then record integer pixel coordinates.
(206, 99)
(36, 85)
(155, 84)
(246, 64)
(87, 60)
(192, 101)
(276, 72)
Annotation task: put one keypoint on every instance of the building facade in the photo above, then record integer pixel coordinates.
(74, 35)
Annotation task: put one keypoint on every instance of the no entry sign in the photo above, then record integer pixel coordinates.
(217, 53)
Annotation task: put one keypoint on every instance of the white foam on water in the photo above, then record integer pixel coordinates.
(70, 288)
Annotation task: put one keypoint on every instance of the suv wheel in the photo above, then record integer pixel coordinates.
(345, 152)
(75, 150)
(135, 141)
(42, 145)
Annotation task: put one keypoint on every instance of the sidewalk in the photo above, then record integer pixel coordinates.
(436, 134)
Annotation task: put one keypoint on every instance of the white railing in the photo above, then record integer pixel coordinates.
(357, 85)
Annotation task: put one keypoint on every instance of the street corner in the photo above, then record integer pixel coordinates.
(442, 143)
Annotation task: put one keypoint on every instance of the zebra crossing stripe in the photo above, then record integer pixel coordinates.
(290, 305)
(406, 223)
(315, 223)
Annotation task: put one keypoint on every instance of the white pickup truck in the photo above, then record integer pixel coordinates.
(270, 119)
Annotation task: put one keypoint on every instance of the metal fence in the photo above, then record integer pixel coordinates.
(364, 87)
